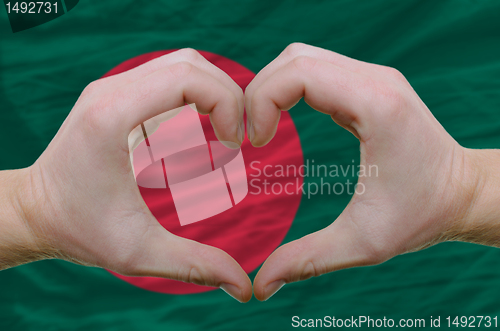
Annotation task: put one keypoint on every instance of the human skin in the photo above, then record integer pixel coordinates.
(429, 189)
(79, 201)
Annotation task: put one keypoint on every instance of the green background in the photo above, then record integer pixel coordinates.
(448, 50)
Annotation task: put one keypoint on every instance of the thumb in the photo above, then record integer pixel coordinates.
(332, 248)
(166, 255)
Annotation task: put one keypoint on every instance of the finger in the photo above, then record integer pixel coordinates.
(183, 55)
(325, 87)
(327, 250)
(299, 49)
(171, 88)
(168, 256)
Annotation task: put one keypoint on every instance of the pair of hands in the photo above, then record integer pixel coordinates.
(80, 202)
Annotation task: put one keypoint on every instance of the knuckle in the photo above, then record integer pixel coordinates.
(193, 271)
(191, 274)
(181, 69)
(194, 276)
(92, 88)
(311, 269)
(189, 54)
(393, 73)
(295, 49)
(98, 112)
(390, 101)
(304, 63)
(390, 96)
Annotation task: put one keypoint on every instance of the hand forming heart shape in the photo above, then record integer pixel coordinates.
(80, 202)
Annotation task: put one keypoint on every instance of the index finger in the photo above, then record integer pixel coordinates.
(117, 113)
(295, 50)
(183, 55)
(326, 87)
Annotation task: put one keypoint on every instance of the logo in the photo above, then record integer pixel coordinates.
(204, 178)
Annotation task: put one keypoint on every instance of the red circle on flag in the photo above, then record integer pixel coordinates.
(251, 230)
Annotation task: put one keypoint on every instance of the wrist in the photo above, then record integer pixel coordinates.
(480, 220)
(19, 243)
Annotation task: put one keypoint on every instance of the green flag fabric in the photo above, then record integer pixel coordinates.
(448, 50)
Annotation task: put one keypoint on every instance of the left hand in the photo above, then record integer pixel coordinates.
(80, 201)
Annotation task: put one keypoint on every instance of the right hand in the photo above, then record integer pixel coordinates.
(427, 183)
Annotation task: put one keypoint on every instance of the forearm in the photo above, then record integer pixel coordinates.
(481, 223)
(18, 243)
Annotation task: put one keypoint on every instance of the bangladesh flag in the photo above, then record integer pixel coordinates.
(448, 50)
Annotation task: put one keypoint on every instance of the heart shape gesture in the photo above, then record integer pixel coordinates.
(80, 201)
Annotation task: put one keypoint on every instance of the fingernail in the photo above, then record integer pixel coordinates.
(232, 290)
(241, 131)
(273, 287)
(250, 129)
